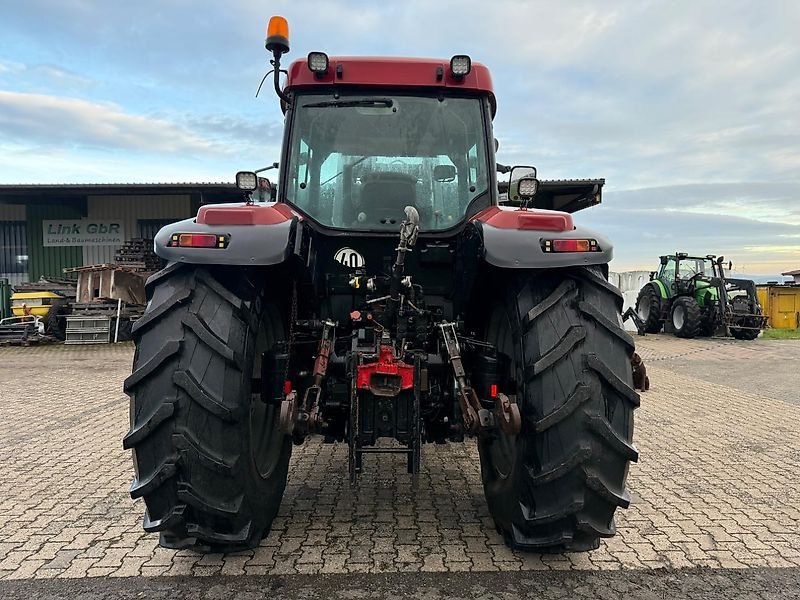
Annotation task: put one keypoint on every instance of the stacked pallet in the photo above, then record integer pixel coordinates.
(138, 254)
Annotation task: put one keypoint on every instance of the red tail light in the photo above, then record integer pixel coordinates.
(198, 240)
(562, 245)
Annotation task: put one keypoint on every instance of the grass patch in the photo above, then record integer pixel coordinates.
(781, 334)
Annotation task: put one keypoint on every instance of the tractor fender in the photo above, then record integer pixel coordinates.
(257, 234)
(662, 289)
(514, 238)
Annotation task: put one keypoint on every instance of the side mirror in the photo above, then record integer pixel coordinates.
(730, 265)
(264, 191)
(444, 173)
(247, 181)
(664, 260)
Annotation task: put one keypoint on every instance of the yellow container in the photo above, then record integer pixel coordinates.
(782, 304)
(33, 303)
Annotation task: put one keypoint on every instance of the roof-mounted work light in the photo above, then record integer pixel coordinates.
(277, 35)
(318, 63)
(460, 66)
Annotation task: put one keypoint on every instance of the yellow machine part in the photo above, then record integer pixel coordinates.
(781, 303)
(32, 303)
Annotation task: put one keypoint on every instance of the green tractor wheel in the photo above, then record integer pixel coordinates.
(686, 318)
(648, 307)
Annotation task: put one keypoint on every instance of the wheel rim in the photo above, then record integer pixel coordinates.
(678, 317)
(644, 308)
(265, 436)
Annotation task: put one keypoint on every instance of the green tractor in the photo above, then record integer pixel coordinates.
(691, 296)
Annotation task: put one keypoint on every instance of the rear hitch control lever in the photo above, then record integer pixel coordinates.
(298, 418)
(473, 414)
(476, 418)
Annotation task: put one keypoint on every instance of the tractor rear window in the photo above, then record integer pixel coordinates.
(357, 161)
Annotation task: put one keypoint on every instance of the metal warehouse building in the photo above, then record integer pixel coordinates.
(46, 228)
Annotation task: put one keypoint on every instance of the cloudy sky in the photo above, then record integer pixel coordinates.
(689, 110)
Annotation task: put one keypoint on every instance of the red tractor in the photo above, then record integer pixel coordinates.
(384, 289)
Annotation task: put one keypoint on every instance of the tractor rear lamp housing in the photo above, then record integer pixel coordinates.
(246, 181)
(198, 240)
(527, 187)
(460, 66)
(570, 245)
(318, 63)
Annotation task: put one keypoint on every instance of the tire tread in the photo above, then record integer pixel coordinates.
(577, 402)
(188, 407)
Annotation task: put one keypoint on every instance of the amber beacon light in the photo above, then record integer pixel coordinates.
(277, 35)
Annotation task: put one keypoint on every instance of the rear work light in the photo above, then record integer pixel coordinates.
(198, 240)
(318, 63)
(246, 181)
(460, 65)
(585, 245)
(527, 187)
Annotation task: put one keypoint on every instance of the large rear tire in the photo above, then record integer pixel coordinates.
(555, 485)
(648, 307)
(209, 458)
(686, 317)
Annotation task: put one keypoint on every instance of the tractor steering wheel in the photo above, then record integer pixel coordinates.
(686, 284)
(692, 281)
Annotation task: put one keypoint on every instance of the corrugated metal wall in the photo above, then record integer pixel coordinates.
(12, 212)
(13, 251)
(131, 209)
(50, 262)
(13, 242)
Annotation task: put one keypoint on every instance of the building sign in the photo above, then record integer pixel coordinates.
(83, 232)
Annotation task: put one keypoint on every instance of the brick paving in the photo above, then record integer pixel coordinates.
(716, 485)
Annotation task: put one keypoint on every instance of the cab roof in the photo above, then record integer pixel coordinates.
(391, 72)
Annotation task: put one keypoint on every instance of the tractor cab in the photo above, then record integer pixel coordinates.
(682, 274)
(427, 149)
(368, 136)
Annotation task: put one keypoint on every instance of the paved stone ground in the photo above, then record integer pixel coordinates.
(690, 584)
(716, 485)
